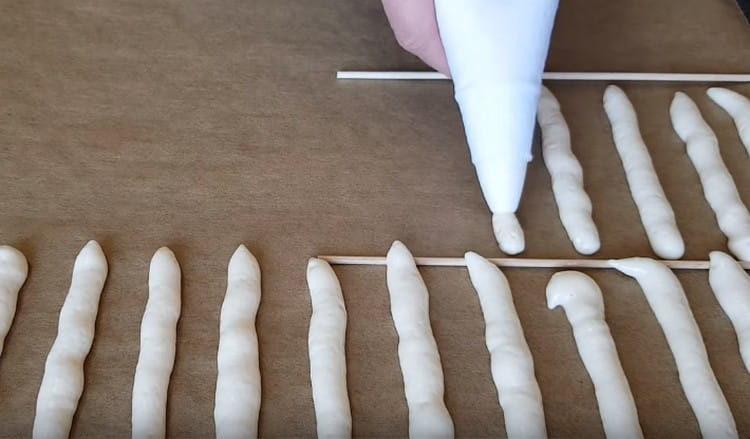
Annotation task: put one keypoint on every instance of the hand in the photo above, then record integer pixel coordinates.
(415, 27)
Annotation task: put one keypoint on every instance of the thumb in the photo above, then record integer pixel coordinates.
(415, 27)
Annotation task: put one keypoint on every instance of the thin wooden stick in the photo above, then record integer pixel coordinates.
(515, 262)
(563, 76)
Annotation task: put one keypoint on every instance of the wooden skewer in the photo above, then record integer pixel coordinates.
(515, 262)
(563, 76)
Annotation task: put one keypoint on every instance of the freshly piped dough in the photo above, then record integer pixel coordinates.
(63, 379)
(13, 272)
(670, 306)
(582, 300)
(573, 204)
(718, 186)
(731, 285)
(327, 348)
(238, 387)
(738, 106)
(508, 233)
(656, 213)
(510, 358)
(417, 350)
(158, 339)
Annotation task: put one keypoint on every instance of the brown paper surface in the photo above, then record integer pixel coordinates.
(203, 125)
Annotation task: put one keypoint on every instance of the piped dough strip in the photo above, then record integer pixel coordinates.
(510, 358)
(670, 306)
(738, 106)
(238, 386)
(417, 350)
(158, 344)
(13, 272)
(573, 203)
(63, 379)
(656, 213)
(718, 187)
(731, 286)
(327, 348)
(582, 300)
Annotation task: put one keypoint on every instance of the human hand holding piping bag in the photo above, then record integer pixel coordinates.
(495, 51)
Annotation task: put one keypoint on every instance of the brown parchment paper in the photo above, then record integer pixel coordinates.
(203, 125)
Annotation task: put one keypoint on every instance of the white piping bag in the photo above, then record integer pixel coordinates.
(496, 51)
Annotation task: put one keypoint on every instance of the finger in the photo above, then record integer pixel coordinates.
(415, 27)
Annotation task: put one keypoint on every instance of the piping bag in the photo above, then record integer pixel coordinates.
(496, 51)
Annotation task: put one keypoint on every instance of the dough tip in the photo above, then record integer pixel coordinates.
(242, 262)
(91, 256)
(718, 257)
(316, 263)
(164, 265)
(567, 285)
(612, 91)
(475, 261)
(163, 253)
(508, 233)
(12, 259)
(399, 254)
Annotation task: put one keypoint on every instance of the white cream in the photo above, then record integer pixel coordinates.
(158, 340)
(738, 106)
(656, 213)
(508, 233)
(670, 306)
(718, 186)
(582, 300)
(238, 386)
(573, 203)
(417, 350)
(731, 285)
(327, 349)
(63, 379)
(510, 358)
(13, 272)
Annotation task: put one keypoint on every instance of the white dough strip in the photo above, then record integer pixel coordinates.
(573, 204)
(718, 187)
(158, 344)
(63, 379)
(13, 272)
(431, 261)
(238, 386)
(582, 300)
(417, 350)
(510, 358)
(327, 348)
(738, 106)
(656, 213)
(560, 76)
(731, 286)
(670, 306)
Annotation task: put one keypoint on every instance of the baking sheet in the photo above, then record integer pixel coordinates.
(205, 125)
